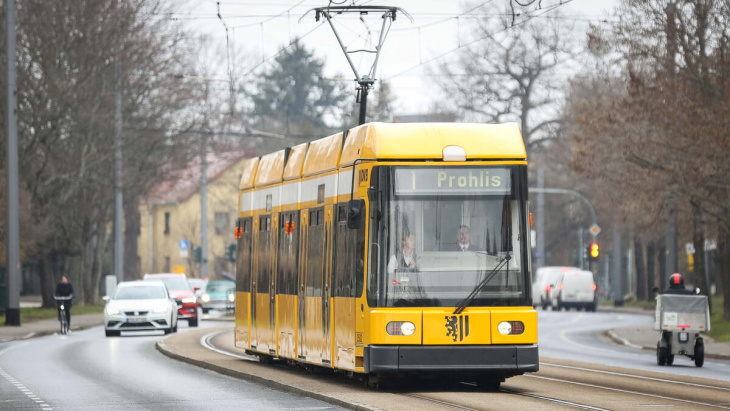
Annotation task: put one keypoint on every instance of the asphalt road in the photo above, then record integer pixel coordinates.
(87, 371)
(578, 336)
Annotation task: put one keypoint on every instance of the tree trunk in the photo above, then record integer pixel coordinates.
(662, 254)
(698, 238)
(132, 221)
(650, 270)
(48, 285)
(723, 247)
(641, 284)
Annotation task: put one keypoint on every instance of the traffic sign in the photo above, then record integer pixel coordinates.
(594, 230)
(184, 245)
(689, 248)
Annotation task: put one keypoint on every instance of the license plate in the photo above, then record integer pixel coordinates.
(136, 320)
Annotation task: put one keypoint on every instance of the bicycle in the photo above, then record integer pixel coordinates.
(62, 311)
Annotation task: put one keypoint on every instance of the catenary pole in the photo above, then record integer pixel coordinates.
(12, 311)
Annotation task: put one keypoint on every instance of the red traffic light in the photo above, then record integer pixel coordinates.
(594, 250)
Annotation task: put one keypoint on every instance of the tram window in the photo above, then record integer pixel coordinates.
(315, 256)
(288, 254)
(264, 255)
(344, 247)
(243, 259)
(342, 214)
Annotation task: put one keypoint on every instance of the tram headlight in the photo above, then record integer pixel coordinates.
(504, 328)
(400, 328)
(511, 327)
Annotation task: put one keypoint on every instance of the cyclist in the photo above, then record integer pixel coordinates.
(65, 289)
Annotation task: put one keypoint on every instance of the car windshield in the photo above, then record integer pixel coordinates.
(442, 232)
(174, 283)
(220, 288)
(140, 293)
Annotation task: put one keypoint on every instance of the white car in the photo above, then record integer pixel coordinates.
(140, 306)
(545, 284)
(576, 289)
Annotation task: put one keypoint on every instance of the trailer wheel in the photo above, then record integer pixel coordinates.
(661, 354)
(699, 354)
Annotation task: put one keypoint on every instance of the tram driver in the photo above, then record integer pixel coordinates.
(405, 257)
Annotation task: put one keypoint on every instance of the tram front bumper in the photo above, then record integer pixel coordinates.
(502, 359)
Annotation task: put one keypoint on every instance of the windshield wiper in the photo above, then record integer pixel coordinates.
(469, 298)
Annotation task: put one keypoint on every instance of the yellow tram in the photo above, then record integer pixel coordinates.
(390, 250)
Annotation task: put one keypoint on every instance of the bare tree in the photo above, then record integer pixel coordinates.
(513, 74)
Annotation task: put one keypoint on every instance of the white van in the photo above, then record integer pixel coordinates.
(546, 279)
(576, 289)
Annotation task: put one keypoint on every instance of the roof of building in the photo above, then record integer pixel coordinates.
(181, 184)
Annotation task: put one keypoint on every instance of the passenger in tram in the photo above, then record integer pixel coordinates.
(405, 258)
(463, 240)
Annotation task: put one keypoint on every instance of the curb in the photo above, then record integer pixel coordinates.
(165, 350)
(34, 334)
(623, 341)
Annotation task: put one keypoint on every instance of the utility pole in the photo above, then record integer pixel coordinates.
(204, 208)
(540, 218)
(12, 311)
(671, 243)
(118, 178)
(617, 267)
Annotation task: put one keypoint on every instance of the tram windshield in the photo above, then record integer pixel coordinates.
(441, 231)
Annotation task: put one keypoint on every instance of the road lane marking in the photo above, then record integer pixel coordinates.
(620, 374)
(628, 391)
(205, 342)
(22, 388)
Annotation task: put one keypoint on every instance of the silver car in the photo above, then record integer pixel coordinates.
(140, 306)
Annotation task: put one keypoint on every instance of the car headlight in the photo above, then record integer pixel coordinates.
(160, 309)
(111, 310)
(188, 300)
(231, 297)
(205, 298)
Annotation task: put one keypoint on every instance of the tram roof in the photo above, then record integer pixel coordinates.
(249, 173)
(423, 141)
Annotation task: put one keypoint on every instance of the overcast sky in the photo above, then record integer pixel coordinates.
(260, 28)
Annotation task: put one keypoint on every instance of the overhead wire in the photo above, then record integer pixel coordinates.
(545, 10)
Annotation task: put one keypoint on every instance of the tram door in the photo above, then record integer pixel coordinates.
(301, 284)
(327, 290)
(263, 290)
(314, 320)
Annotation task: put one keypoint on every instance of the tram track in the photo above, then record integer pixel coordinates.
(559, 384)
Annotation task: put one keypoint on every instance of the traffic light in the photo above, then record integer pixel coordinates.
(231, 252)
(197, 254)
(594, 250)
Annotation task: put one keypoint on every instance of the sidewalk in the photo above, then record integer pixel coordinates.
(46, 327)
(645, 337)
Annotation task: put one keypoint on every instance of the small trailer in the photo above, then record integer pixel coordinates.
(681, 319)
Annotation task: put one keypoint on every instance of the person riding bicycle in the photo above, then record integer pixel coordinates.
(65, 289)
(676, 285)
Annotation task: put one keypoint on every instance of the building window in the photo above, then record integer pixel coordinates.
(167, 222)
(221, 223)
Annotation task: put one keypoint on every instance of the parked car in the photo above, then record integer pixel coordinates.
(183, 293)
(219, 295)
(576, 289)
(140, 306)
(545, 284)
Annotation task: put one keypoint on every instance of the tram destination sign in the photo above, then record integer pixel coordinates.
(452, 180)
